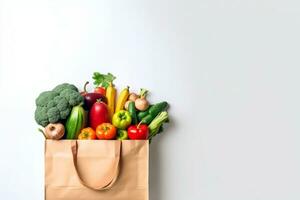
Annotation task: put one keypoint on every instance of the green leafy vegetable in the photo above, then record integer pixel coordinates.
(103, 80)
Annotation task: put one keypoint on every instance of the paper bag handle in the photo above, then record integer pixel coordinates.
(103, 186)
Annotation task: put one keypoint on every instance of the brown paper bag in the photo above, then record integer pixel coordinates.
(96, 169)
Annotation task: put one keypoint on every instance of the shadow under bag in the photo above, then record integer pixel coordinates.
(96, 169)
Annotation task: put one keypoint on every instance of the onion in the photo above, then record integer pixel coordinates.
(133, 97)
(141, 103)
(54, 131)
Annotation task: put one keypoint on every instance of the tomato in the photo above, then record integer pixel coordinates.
(106, 131)
(138, 132)
(98, 114)
(87, 134)
(100, 90)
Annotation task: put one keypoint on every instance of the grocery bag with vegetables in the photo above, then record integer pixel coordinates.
(66, 113)
(98, 140)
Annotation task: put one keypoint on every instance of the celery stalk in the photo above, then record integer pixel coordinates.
(156, 125)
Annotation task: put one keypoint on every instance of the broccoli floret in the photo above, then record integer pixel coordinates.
(51, 103)
(41, 116)
(53, 115)
(56, 105)
(64, 86)
(45, 97)
(62, 104)
(71, 96)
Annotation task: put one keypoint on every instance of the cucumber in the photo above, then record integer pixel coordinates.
(143, 114)
(154, 111)
(159, 107)
(132, 111)
(75, 122)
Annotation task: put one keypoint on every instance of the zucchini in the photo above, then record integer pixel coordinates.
(75, 122)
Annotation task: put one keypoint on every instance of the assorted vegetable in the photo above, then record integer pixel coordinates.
(111, 96)
(55, 105)
(103, 80)
(106, 131)
(143, 114)
(154, 111)
(138, 132)
(122, 99)
(121, 119)
(133, 96)
(98, 114)
(132, 112)
(75, 122)
(91, 98)
(141, 103)
(87, 134)
(64, 112)
(122, 135)
(155, 126)
(100, 90)
(53, 131)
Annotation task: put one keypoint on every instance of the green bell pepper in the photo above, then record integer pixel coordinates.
(121, 119)
(122, 135)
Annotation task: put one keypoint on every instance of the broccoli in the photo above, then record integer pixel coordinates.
(56, 105)
(64, 86)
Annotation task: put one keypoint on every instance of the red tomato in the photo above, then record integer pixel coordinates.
(100, 90)
(98, 114)
(138, 132)
(106, 131)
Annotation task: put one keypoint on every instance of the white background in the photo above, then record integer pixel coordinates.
(230, 70)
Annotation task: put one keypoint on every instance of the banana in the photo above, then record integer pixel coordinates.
(122, 99)
(75, 122)
(111, 96)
